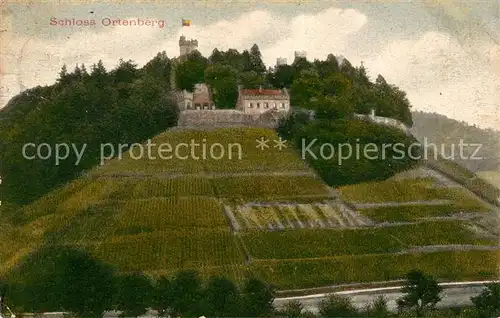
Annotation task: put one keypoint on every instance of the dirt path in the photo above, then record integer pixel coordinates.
(396, 204)
(204, 174)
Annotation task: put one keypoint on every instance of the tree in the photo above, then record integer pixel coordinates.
(191, 71)
(126, 72)
(305, 87)
(336, 84)
(222, 298)
(256, 63)
(63, 75)
(332, 107)
(348, 70)
(292, 309)
(64, 279)
(257, 298)
(377, 308)
(301, 64)
(488, 302)
(159, 68)
(328, 67)
(187, 294)
(421, 293)
(216, 57)
(251, 79)
(337, 306)
(134, 294)
(283, 76)
(163, 296)
(98, 69)
(223, 82)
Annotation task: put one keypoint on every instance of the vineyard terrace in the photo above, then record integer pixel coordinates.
(166, 151)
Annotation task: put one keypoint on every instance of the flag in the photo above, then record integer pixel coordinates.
(186, 22)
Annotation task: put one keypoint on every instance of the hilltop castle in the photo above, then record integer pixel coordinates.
(255, 107)
(187, 46)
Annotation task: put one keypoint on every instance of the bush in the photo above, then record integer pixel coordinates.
(337, 306)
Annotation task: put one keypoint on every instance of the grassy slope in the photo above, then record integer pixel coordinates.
(142, 215)
(492, 177)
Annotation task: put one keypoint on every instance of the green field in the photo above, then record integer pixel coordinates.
(409, 190)
(268, 188)
(161, 216)
(488, 190)
(414, 212)
(239, 142)
(450, 266)
(331, 242)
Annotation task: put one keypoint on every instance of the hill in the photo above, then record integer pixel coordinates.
(447, 133)
(267, 214)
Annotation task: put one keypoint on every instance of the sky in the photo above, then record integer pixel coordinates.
(444, 54)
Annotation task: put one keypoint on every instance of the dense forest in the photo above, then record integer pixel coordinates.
(441, 130)
(129, 104)
(124, 105)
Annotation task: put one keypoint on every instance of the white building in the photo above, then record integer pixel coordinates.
(260, 100)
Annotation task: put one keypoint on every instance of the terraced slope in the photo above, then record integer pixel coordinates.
(264, 212)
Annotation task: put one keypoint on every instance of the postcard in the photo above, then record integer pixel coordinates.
(248, 158)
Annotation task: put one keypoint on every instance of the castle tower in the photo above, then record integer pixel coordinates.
(187, 46)
(280, 61)
(300, 54)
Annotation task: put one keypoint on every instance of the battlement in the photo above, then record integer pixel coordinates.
(187, 46)
(183, 41)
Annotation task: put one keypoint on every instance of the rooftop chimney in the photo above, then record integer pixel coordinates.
(260, 88)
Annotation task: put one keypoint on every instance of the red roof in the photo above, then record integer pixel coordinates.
(262, 91)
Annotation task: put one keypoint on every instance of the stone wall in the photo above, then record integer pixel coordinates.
(386, 121)
(223, 118)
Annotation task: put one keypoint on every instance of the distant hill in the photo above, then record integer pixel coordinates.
(446, 133)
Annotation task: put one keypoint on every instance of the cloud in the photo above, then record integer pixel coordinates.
(437, 71)
(319, 35)
(35, 61)
(442, 76)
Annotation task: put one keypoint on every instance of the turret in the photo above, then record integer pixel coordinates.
(187, 46)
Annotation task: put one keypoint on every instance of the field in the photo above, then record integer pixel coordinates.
(268, 188)
(324, 243)
(327, 214)
(411, 190)
(239, 154)
(488, 190)
(459, 266)
(266, 214)
(416, 212)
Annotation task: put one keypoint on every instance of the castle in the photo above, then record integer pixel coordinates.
(256, 107)
(187, 46)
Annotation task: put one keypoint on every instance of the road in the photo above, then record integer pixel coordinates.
(453, 294)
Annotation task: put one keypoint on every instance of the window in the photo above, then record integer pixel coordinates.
(188, 105)
(274, 105)
(266, 105)
(250, 105)
(258, 105)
